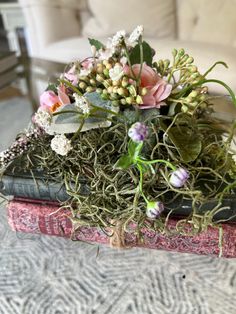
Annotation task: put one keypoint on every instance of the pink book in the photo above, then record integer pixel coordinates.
(34, 216)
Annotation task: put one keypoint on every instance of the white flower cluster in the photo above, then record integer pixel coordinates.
(42, 118)
(82, 103)
(61, 145)
(135, 35)
(116, 72)
(114, 42)
(117, 38)
(105, 54)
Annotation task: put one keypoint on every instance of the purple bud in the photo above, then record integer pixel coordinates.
(179, 177)
(138, 132)
(154, 209)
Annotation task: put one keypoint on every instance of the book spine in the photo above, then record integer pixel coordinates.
(43, 189)
(184, 208)
(49, 219)
(36, 188)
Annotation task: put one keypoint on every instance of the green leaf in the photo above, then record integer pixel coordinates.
(134, 149)
(187, 141)
(96, 43)
(130, 116)
(150, 114)
(147, 54)
(52, 87)
(95, 99)
(68, 118)
(67, 114)
(123, 162)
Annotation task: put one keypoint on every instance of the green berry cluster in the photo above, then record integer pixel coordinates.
(183, 63)
(122, 91)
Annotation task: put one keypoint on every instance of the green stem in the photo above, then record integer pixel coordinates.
(214, 65)
(141, 182)
(169, 164)
(172, 71)
(141, 61)
(75, 89)
(65, 111)
(104, 110)
(79, 130)
(232, 95)
(188, 88)
(129, 62)
(170, 75)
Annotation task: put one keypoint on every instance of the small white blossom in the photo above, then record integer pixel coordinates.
(82, 103)
(116, 73)
(85, 72)
(42, 118)
(134, 36)
(61, 145)
(93, 50)
(106, 54)
(123, 61)
(117, 38)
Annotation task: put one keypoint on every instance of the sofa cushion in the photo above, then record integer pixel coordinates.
(211, 21)
(205, 55)
(50, 21)
(157, 16)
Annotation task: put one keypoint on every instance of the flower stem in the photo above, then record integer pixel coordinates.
(141, 182)
(141, 61)
(78, 131)
(69, 84)
(169, 164)
(129, 62)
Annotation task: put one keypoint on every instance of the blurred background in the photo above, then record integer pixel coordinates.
(37, 39)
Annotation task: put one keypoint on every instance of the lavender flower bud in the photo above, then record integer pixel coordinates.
(154, 209)
(138, 132)
(179, 177)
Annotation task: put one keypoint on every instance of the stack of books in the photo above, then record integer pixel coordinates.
(35, 208)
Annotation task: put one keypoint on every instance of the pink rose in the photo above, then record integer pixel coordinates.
(158, 89)
(51, 102)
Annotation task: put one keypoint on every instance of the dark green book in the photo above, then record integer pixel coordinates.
(37, 186)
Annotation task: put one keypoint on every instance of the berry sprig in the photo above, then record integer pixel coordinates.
(21, 145)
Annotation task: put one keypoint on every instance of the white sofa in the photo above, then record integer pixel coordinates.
(205, 28)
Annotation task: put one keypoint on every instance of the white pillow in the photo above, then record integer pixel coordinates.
(109, 16)
(211, 21)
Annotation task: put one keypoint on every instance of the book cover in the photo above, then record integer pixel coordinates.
(47, 218)
(37, 186)
(24, 185)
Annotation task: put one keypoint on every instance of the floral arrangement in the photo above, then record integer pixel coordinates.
(139, 130)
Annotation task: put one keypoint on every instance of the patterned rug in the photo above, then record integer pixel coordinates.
(49, 275)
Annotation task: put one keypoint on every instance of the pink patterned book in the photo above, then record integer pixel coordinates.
(33, 216)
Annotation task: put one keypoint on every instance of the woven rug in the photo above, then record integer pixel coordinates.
(48, 275)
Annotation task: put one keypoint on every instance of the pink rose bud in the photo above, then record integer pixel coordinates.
(154, 209)
(179, 177)
(49, 100)
(138, 132)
